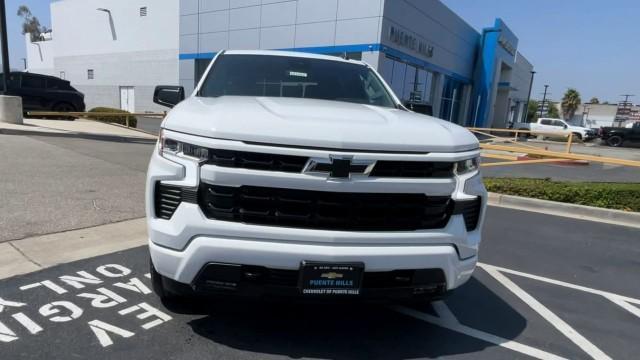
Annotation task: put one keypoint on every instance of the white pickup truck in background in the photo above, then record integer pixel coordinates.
(547, 126)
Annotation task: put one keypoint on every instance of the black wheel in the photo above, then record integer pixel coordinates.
(577, 136)
(64, 107)
(614, 141)
(525, 135)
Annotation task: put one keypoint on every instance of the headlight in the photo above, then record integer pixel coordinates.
(467, 166)
(172, 147)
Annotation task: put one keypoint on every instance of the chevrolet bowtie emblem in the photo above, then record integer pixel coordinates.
(332, 275)
(339, 166)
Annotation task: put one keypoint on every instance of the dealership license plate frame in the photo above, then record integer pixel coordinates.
(331, 278)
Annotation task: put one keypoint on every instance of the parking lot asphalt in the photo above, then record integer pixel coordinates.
(53, 182)
(546, 287)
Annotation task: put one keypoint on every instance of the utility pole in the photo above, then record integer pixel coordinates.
(626, 98)
(5, 46)
(544, 99)
(526, 106)
(624, 110)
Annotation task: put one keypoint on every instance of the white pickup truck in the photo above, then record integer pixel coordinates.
(291, 174)
(548, 126)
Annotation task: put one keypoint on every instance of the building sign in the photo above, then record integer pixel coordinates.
(506, 45)
(410, 41)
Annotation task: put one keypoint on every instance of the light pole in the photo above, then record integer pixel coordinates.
(5, 45)
(544, 99)
(526, 106)
(111, 25)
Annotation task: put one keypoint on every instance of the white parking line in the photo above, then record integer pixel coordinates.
(552, 318)
(444, 312)
(625, 305)
(490, 338)
(606, 294)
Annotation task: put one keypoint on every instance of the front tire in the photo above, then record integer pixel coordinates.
(577, 136)
(64, 107)
(614, 141)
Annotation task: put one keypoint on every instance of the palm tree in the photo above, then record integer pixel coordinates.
(570, 102)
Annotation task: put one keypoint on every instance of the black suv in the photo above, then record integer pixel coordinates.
(44, 92)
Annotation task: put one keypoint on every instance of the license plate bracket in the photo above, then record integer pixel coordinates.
(330, 279)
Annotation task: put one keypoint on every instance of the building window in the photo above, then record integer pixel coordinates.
(451, 99)
(411, 83)
(90, 74)
(143, 11)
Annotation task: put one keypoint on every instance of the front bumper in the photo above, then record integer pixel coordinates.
(184, 266)
(182, 246)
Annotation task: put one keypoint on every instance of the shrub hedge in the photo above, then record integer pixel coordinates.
(619, 196)
(122, 120)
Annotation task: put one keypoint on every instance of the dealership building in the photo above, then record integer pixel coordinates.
(429, 55)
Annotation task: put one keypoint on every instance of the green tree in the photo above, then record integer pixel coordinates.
(594, 100)
(532, 108)
(31, 24)
(570, 102)
(553, 110)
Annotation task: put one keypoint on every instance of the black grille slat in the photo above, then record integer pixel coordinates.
(413, 169)
(470, 210)
(256, 161)
(168, 198)
(325, 210)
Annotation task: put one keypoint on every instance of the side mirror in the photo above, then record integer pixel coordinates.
(565, 126)
(167, 95)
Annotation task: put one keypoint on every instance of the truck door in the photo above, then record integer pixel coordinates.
(634, 134)
(560, 127)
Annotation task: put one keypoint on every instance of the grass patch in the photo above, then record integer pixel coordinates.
(619, 196)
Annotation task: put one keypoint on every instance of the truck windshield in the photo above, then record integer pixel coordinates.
(284, 76)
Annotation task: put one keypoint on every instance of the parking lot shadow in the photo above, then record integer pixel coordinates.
(348, 331)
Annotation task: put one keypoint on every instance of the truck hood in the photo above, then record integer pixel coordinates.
(316, 123)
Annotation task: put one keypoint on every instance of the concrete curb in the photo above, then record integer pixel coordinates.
(616, 217)
(40, 252)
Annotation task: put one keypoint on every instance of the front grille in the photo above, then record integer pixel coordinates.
(470, 210)
(168, 197)
(413, 169)
(295, 164)
(325, 210)
(257, 161)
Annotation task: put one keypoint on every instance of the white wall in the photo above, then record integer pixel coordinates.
(521, 78)
(80, 29)
(138, 51)
(40, 56)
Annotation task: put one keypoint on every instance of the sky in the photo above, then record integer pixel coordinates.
(590, 45)
(40, 9)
